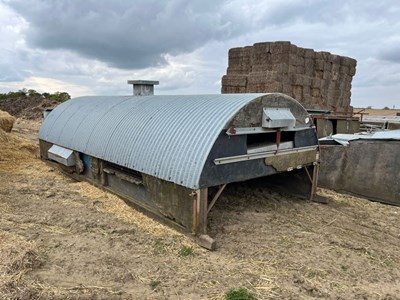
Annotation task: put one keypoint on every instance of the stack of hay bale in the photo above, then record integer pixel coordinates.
(318, 80)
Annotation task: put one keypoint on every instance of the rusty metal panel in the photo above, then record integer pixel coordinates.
(168, 137)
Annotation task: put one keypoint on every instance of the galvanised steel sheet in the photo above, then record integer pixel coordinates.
(165, 136)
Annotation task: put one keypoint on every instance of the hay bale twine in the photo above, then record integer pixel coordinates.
(6, 121)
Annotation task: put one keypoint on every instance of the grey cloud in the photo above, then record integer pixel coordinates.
(334, 12)
(137, 34)
(126, 34)
(9, 73)
(391, 54)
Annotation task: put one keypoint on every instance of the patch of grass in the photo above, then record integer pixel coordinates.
(239, 294)
(159, 248)
(185, 251)
(344, 268)
(154, 284)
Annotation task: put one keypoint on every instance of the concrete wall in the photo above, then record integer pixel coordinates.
(318, 80)
(369, 168)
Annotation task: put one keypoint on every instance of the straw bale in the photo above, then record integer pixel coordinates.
(232, 89)
(335, 68)
(266, 87)
(281, 67)
(277, 58)
(335, 76)
(301, 52)
(306, 91)
(260, 59)
(335, 59)
(309, 66)
(352, 71)
(238, 70)
(242, 61)
(261, 47)
(309, 53)
(325, 84)
(292, 69)
(6, 121)
(344, 70)
(285, 79)
(300, 70)
(280, 47)
(319, 74)
(347, 86)
(235, 53)
(276, 86)
(234, 80)
(341, 84)
(264, 77)
(315, 92)
(348, 62)
(260, 68)
(307, 80)
(327, 66)
(325, 56)
(318, 56)
(298, 79)
(293, 58)
(293, 49)
(287, 89)
(327, 75)
(319, 64)
(306, 101)
(333, 85)
(297, 89)
(295, 79)
(316, 82)
(297, 61)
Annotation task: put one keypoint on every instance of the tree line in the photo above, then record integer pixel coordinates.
(25, 93)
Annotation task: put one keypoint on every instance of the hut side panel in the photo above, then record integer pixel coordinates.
(369, 168)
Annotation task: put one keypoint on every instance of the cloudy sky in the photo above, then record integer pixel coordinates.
(94, 46)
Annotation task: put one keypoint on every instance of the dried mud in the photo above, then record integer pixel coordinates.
(62, 239)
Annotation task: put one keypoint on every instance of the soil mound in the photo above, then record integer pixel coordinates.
(27, 107)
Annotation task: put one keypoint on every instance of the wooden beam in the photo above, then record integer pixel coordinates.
(221, 189)
(200, 211)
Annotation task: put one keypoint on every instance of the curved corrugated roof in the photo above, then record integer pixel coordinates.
(164, 136)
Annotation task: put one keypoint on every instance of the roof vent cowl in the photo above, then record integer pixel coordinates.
(143, 87)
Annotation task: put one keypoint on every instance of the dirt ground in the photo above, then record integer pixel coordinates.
(62, 239)
(377, 112)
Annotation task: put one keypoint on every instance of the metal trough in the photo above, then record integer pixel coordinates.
(174, 155)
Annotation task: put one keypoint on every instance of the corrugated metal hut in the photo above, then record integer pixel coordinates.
(173, 155)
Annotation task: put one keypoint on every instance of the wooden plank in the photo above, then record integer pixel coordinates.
(201, 211)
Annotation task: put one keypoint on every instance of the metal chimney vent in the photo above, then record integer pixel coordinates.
(143, 87)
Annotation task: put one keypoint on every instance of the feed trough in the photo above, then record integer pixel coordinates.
(174, 155)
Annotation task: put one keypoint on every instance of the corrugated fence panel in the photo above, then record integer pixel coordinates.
(168, 137)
